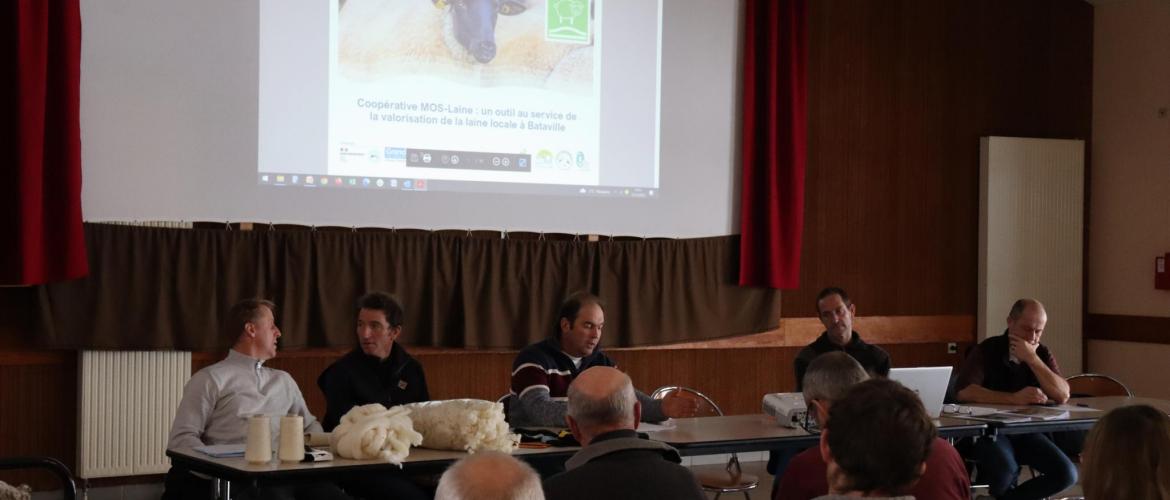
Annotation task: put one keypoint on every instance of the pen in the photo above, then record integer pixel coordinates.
(1082, 405)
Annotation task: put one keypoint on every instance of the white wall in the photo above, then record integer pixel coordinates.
(1129, 220)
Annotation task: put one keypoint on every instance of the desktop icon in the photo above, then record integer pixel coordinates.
(379, 182)
(393, 183)
(522, 163)
(564, 160)
(337, 180)
(309, 179)
(505, 161)
(365, 181)
(420, 184)
(352, 181)
(495, 161)
(395, 153)
(280, 178)
(454, 159)
(296, 179)
(406, 184)
(324, 181)
(263, 178)
(426, 157)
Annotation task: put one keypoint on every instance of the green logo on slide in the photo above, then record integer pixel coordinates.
(568, 21)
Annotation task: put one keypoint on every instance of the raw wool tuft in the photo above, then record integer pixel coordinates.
(372, 431)
(463, 424)
(9, 492)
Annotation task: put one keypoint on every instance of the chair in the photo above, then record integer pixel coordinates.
(68, 487)
(717, 479)
(1095, 385)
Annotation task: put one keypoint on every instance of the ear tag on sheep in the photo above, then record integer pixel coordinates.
(511, 7)
(402, 384)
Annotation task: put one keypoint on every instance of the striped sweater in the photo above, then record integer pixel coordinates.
(541, 376)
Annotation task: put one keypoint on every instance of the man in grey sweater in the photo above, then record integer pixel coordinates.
(218, 400)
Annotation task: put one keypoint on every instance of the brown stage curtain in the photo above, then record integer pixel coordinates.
(164, 288)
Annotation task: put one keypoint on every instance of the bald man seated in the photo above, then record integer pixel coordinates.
(489, 475)
(1016, 369)
(614, 463)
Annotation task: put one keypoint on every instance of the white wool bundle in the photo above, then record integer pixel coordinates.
(372, 431)
(463, 424)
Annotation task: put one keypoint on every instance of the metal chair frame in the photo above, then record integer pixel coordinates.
(733, 467)
(1090, 376)
(68, 486)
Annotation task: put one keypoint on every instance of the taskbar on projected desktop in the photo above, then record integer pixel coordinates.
(415, 184)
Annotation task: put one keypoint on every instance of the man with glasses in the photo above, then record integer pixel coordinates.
(826, 381)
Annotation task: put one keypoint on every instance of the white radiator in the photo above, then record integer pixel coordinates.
(127, 402)
(1031, 227)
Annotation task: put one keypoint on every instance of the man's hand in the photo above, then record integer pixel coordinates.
(1029, 395)
(1023, 350)
(677, 406)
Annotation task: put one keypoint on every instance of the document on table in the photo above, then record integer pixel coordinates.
(221, 450)
(648, 427)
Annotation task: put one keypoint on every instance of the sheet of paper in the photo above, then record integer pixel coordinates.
(648, 427)
(222, 450)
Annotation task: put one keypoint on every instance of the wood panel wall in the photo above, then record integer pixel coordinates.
(899, 93)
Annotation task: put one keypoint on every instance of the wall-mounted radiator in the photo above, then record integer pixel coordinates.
(127, 402)
(1031, 237)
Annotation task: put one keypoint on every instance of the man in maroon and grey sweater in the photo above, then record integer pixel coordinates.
(543, 371)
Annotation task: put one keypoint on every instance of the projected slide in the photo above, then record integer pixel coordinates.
(468, 95)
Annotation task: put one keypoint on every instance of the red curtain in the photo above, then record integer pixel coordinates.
(774, 147)
(41, 197)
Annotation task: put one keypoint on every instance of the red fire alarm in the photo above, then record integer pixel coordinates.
(1161, 277)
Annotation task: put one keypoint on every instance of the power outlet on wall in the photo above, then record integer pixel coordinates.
(952, 348)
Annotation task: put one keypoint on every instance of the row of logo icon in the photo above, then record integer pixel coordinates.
(543, 158)
(607, 191)
(324, 181)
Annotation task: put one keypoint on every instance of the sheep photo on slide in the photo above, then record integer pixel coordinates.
(478, 42)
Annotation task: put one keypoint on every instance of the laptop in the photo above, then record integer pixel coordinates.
(930, 383)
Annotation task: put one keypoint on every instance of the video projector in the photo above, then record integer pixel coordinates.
(787, 408)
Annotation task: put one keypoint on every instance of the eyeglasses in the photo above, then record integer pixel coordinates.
(809, 424)
(958, 409)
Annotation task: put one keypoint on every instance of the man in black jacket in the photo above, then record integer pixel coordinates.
(614, 462)
(380, 371)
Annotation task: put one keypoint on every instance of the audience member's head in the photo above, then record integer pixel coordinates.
(579, 324)
(836, 311)
(379, 323)
(876, 440)
(1127, 455)
(826, 380)
(489, 475)
(601, 399)
(252, 326)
